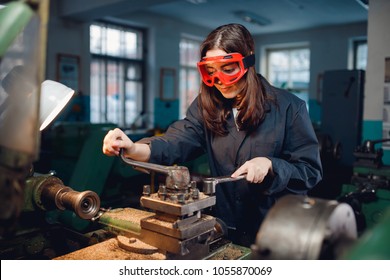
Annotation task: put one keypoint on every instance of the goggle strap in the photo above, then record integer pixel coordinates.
(249, 61)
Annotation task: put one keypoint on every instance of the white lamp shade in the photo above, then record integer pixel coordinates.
(54, 97)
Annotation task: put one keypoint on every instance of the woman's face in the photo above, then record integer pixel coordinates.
(230, 91)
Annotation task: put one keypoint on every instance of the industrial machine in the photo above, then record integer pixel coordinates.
(353, 225)
(369, 190)
(306, 228)
(170, 224)
(21, 36)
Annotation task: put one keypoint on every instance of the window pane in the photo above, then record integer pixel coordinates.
(133, 103)
(130, 45)
(134, 72)
(361, 56)
(113, 98)
(189, 75)
(113, 42)
(97, 91)
(133, 45)
(95, 39)
(300, 59)
(279, 68)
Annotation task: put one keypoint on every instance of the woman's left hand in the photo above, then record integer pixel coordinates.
(256, 169)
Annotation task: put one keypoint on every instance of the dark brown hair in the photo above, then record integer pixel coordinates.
(250, 102)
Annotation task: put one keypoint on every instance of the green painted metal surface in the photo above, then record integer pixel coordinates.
(13, 18)
(374, 244)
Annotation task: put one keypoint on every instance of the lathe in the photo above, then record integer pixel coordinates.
(173, 227)
(170, 224)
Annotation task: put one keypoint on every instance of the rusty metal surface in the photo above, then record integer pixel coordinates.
(175, 246)
(155, 203)
(205, 223)
(178, 177)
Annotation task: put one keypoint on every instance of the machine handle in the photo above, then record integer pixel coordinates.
(223, 179)
(210, 183)
(145, 166)
(178, 177)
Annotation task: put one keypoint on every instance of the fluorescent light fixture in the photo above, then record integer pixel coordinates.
(252, 18)
(197, 2)
(363, 3)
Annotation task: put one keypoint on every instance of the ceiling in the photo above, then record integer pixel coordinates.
(281, 15)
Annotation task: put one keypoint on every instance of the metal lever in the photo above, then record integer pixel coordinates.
(144, 166)
(210, 183)
(178, 177)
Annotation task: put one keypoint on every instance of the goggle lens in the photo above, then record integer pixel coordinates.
(227, 68)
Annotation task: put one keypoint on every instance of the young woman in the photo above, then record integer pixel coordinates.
(246, 126)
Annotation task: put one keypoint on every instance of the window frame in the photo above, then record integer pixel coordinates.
(264, 64)
(108, 58)
(354, 43)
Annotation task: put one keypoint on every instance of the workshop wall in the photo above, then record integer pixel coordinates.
(329, 50)
(378, 51)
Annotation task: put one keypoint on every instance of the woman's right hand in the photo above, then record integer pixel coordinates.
(115, 140)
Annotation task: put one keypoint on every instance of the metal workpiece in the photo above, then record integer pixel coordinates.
(178, 177)
(210, 183)
(196, 247)
(175, 235)
(303, 228)
(177, 188)
(178, 226)
(49, 193)
(180, 229)
(183, 196)
(153, 202)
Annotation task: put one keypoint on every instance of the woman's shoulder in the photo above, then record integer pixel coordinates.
(193, 110)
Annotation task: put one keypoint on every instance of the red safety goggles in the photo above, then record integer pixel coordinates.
(227, 68)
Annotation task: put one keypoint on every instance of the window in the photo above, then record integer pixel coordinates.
(117, 75)
(289, 68)
(189, 75)
(360, 54)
